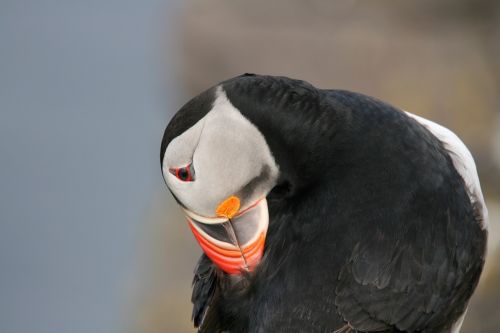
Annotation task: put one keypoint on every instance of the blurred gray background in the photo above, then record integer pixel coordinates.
(84, 94)
(90, 240)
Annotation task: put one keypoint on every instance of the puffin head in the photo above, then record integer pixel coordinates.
(219, 167)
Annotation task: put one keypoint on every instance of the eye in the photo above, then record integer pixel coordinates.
(186, 174)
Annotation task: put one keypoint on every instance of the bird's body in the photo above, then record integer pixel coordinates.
(372, 226)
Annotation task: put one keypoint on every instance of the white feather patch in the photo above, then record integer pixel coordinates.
(227, 152)
(462, 160)
(458, 324)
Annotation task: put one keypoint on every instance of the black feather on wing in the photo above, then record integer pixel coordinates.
(407, 276)
(204, 287)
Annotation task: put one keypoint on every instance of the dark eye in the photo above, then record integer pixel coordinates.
(186, 174)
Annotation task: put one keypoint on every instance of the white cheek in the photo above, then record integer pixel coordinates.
(180, 150)
(230, 152)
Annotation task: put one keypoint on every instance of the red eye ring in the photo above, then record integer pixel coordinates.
(185, 174)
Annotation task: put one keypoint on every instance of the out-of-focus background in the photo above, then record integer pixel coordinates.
(90, 240)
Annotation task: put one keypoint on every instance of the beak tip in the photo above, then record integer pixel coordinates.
(233, 257)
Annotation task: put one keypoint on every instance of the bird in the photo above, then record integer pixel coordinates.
(323, 210)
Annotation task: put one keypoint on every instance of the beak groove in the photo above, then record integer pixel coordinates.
(234, 245)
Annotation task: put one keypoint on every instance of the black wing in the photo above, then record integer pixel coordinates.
(415, 275)
(204, 289)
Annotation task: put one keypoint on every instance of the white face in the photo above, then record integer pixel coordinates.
(227, 152)
(229, 161)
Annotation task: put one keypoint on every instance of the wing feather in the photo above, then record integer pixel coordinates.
(421, 266)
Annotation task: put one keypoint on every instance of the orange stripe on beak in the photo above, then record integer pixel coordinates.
(231, 261)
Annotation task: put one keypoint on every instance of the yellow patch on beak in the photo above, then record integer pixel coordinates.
(229, 207)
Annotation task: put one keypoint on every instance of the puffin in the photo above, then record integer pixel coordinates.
(323, 210)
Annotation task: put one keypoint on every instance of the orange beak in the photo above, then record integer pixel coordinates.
(235, 240)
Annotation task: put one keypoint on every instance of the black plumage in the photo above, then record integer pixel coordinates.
(372, 228)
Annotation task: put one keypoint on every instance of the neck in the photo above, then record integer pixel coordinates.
(300, 123)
